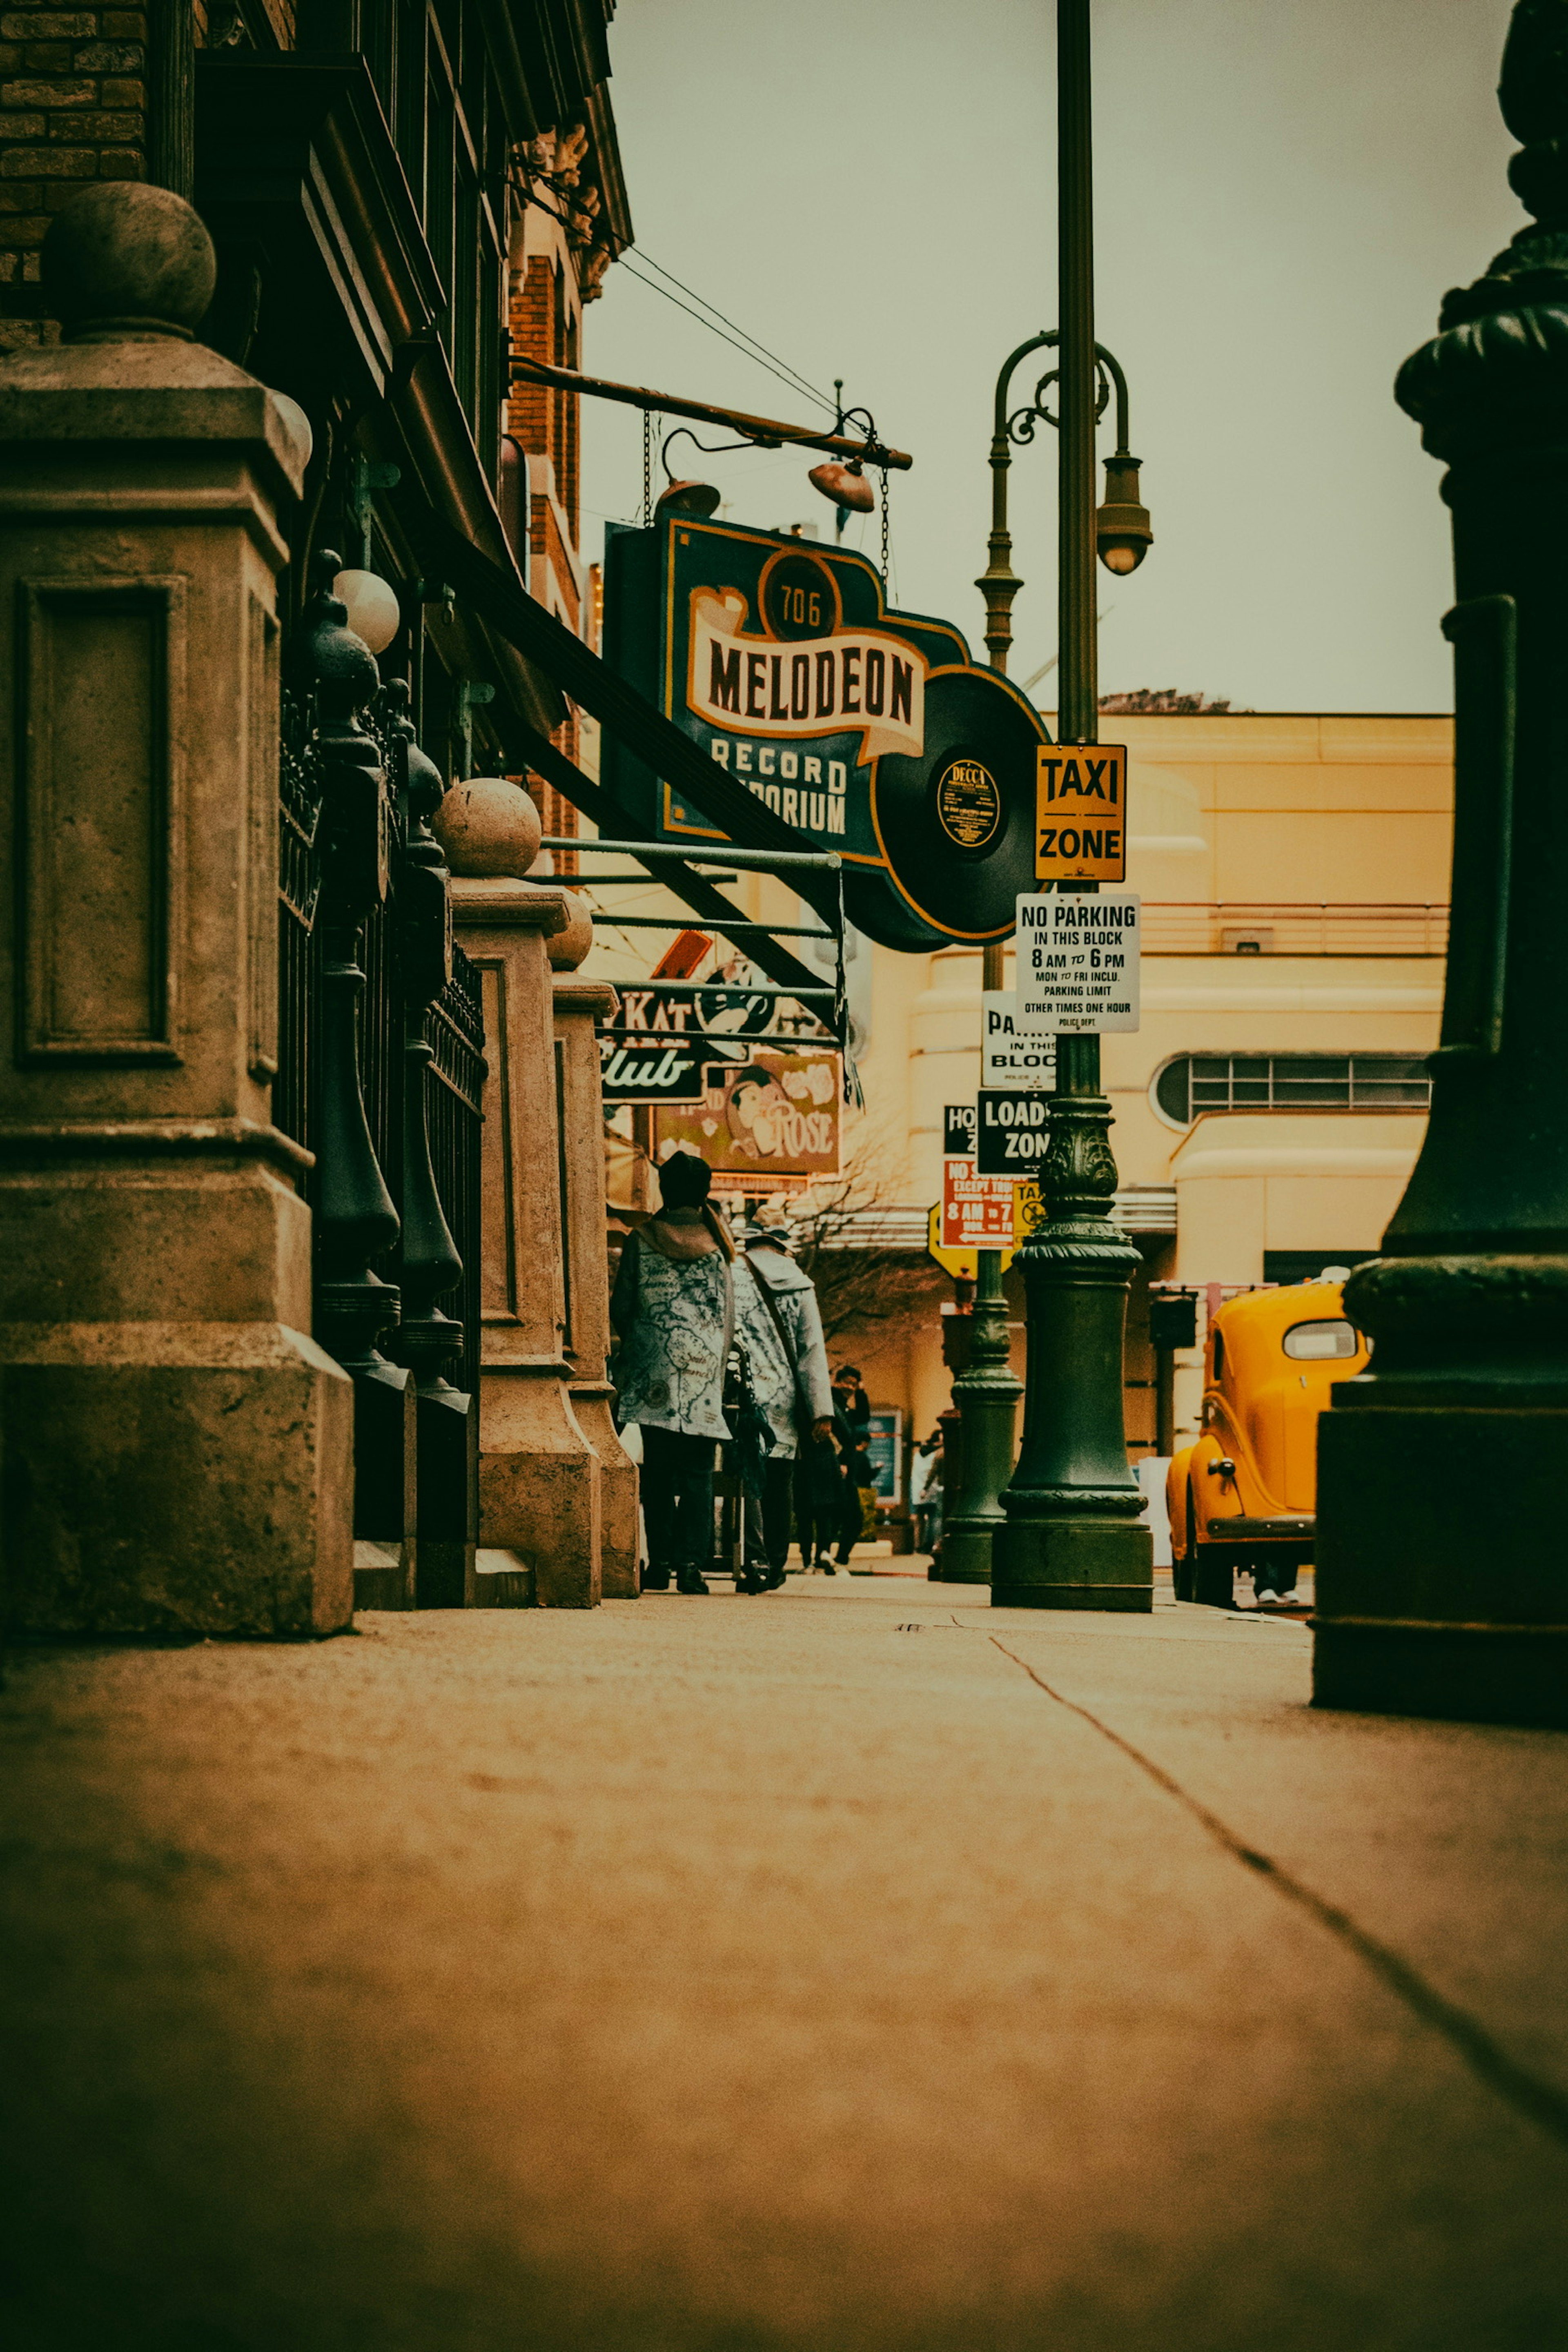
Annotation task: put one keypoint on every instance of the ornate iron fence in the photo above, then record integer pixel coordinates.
(381, 1070)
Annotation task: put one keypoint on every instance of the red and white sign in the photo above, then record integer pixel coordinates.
(976, 1211)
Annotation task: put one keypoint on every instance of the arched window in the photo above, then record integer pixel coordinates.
(1193, 1083)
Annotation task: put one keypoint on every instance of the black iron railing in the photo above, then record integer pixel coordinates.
(375, 925)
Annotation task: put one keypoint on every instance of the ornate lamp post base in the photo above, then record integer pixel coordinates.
(1424, 1608)
(1073, 1536)
(987, 1395)
(1073, 1563)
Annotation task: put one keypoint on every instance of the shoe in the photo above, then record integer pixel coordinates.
(656, 1579)
(828, 1568)
(1267, 1598)
(753, 1581)
(776, 1577)
(690, 1579)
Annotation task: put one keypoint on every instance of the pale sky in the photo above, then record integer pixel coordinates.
(1284, 189)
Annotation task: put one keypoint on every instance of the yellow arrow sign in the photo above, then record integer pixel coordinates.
(964, 1265)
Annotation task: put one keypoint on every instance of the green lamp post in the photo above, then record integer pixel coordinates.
(1442, 1574)
(1072, 1536)
(986, 1394)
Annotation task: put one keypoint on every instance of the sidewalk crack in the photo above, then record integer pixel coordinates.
(1530, 2096)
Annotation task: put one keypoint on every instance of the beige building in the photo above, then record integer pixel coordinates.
(1294, 873)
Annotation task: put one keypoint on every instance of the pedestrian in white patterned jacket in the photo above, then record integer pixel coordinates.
(673, 1306)
(776, 1316)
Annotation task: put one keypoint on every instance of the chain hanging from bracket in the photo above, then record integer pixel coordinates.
(646, 468)
(887, 576)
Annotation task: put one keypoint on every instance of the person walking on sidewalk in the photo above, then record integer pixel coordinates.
(776, 1312)
(673, 1305)
(852, 1400)
(925, 1491)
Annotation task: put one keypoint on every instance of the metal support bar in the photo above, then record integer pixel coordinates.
(505, 606)
(764, 1037)
(709, 904)
(763, 861)
(730, 931)
(640, 882)
(725, 988)
(767, 430)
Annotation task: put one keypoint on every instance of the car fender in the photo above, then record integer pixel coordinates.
(1215, 1497)
(1176, 1478)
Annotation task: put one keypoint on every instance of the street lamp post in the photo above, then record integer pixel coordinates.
(1072, 1537)
(987, 1393)
(1441, 1581)
(1122, 526)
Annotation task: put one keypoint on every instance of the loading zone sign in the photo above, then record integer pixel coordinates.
(1013, 1132)
(1078, 964)
(1081, 813)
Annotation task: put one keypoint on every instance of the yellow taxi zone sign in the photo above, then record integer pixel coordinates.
(1081, 804)
(963, 1264)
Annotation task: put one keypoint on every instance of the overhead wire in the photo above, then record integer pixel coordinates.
(747, 344)
(805, 386)
(790, 381)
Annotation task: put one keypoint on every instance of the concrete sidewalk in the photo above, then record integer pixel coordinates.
(851, 1968)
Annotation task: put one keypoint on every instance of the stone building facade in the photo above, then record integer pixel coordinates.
(304, 238)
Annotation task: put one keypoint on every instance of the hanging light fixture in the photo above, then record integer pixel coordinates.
(687, 498)
(845, 486)
(1122, 532)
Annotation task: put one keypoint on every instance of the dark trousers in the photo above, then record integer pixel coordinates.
(677, 1498)
(851, 1520)
(816, 1506)
(768, 1522)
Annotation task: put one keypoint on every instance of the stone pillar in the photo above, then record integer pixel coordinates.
(177, 1451)
(539, 1475)
(578, 1005)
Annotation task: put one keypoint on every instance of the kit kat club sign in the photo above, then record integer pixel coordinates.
(868, 730)
(658, 1045)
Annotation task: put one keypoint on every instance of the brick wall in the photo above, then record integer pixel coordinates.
(531, 322)
(546, 421)
(73, 108)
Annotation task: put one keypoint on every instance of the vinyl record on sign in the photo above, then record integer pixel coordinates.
(957, 826)
(874, 906)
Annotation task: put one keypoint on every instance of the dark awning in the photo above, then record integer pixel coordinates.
(579, 672)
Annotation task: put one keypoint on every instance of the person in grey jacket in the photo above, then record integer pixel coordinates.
(776, 1316)
(673, 1305)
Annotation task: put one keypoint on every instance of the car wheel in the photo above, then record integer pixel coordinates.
(1213, 1576)
(1182, 1562)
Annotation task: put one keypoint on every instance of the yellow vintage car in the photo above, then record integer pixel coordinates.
(1245, 1496)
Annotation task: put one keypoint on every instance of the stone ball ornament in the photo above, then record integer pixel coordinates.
(375, 611)
(296, 425)
(124, 258)
(488, 826)
(567, 948)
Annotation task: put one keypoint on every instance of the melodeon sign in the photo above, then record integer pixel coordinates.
(869, 731)
(782, 662)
